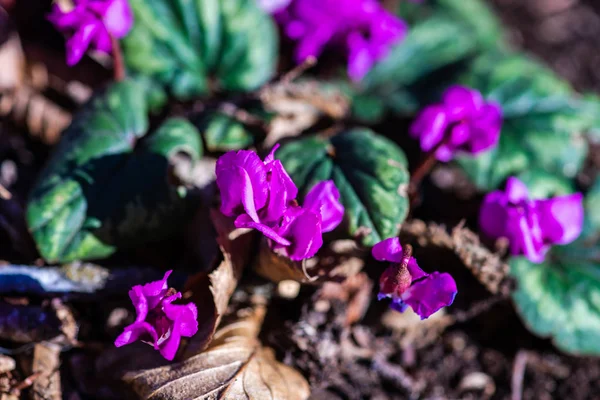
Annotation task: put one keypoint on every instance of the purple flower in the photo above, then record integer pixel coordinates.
(462, 122)
(262, 196)
(92, 23)
(159, 322)
(531, 226)
(408, 285)
(323, 199)
(361, 27)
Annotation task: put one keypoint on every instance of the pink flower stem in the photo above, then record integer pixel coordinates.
(424, 167)
(119, 66)
(427, 163)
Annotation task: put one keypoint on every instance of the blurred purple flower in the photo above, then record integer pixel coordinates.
(463, 121)
(92, 23)
(159, 322)
(531, 226)
(262, 196)
(363, 28)
(408, 285)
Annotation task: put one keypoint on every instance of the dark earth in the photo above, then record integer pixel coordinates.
(484, 353)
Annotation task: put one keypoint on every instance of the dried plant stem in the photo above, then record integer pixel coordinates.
(299, 70)
(119, 65)
(518, 374)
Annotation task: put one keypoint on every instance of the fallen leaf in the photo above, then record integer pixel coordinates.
(235, 366)
(46, 363)
(211, 292)
(299, 105)
(336, 261)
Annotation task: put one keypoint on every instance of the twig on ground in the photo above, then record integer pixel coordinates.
(518, 374)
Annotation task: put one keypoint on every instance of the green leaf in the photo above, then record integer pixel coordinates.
(369, 170)
(543, 185)
(561, 297)
(106, 186)
(223, 133)
(543, 120)
(436, 42)
(192, 45)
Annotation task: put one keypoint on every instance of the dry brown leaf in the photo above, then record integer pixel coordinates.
(46, 363)
(355, 291)
(235, 366)
(298, 106)
(211, 292)
(336, 261)
(486, 266)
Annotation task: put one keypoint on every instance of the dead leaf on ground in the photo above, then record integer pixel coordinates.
(355, 291)
(211, 292)
(299, 105)
(486, 266)
(336, 261)
(235, 366)
(46, 363)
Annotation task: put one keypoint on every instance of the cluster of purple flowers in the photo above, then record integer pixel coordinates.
(261, 195)
(159, 322)
(408, 285)
(363, 28)
(463, 121)
(531, 226)
(92, 23)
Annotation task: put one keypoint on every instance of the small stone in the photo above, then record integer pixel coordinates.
(7, 364)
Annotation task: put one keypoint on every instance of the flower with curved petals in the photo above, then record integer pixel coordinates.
(463, 121)
(92, 23)
(531, 226)
(159, 322)
(408, 285)
(363, 28)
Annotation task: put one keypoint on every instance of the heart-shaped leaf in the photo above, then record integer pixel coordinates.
(222, 132)
(107, 184)
(544, 121)
(369, 171)
(191, 46)
(235, 366)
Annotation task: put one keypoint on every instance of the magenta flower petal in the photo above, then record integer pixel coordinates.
(462, 102)
(242, 181)
(159, 322)
(561, 218)
(323, 199)
(90, 24)
(361, 28)
(244, 221)
(78, 44)
(430, 294)
(463, 121)
(430, 126)
(136, 331)
(388, 250)
(282, 190)
(531, 226)
(271, 6)
(302, 228)
(118, 18)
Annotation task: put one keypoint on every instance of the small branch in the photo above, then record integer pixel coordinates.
(118, 64)
(4, 193)
(518, 374)
(294, 73)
